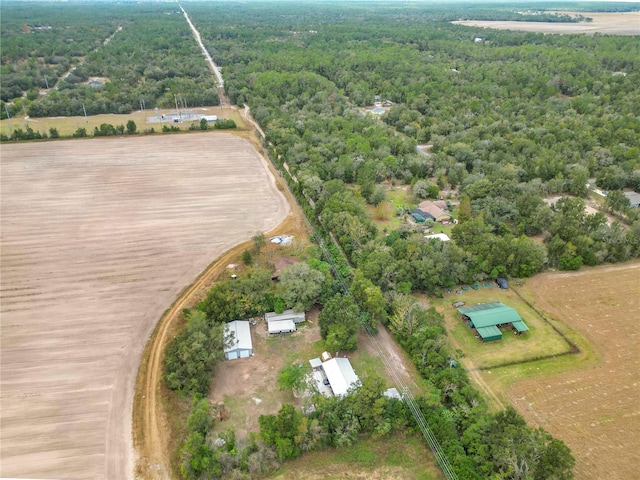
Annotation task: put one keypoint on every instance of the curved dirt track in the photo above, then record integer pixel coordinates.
(149, 425)
(99, 237)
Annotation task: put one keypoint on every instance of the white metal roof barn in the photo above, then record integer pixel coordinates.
(241, 345)
(341, 375)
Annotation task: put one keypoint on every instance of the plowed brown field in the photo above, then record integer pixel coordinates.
(98, 238)
(595, 411)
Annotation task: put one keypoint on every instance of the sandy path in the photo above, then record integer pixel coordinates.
(98, 239)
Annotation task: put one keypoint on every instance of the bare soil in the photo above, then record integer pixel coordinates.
(398, 367)
(99, 237)
(249, 386)
(595, 411)
(626, 23)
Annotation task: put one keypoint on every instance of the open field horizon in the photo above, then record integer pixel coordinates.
(98, 239)
(623, 23)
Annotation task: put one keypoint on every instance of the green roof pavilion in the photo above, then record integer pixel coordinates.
(486, 317)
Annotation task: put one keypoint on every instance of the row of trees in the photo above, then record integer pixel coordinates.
(107, 130)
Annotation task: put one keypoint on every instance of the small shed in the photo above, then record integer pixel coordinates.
(392, 393)
(295, 317)
(489, 333)
(281, 326)
(520, 327)
(634, 199)
(315, 363)
(239, 344)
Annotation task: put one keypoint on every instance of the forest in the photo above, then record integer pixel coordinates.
(520, 127)
(150, 60)
(510, 121)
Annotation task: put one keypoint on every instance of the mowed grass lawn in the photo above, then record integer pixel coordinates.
(541, 340)
(385, 215)
(66, 126)
(397, 457)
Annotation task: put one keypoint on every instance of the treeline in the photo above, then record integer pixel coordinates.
(108, 130)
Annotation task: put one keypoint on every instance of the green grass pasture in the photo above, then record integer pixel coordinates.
(541, 340)
(398, 457)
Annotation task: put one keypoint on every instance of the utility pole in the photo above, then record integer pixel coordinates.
(6, 109)
(46, 81)
(85, 113)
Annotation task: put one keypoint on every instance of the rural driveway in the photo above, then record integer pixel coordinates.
(98, 238)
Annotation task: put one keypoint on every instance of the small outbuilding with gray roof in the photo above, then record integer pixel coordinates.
(284, 322)
(487, 317)
(634, 199)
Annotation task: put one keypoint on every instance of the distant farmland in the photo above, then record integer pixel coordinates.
(98, 238)
(627, 23)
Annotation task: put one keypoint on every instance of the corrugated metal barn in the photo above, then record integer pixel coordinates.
(240, 345)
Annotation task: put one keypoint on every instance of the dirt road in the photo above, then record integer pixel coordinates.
(150, 436)
(224, 101)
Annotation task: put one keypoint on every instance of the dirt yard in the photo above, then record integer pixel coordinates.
(595, 411)
(627, 23)
(99, 237)
(248, 387)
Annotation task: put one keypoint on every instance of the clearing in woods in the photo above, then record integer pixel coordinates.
(99, 236)
(596, 411)
(66, 126)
